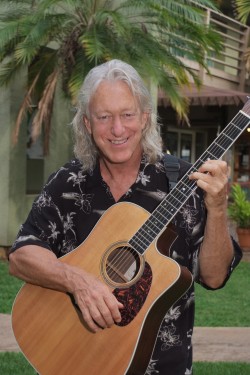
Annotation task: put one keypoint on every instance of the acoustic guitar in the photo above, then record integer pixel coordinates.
(124, 251)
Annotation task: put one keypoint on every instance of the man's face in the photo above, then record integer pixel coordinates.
(115, 122)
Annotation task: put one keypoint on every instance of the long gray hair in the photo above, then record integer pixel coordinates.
(114, 70)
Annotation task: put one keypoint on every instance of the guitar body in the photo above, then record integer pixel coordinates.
(48, 325)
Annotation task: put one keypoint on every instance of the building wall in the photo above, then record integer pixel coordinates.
(14, 202)
(12, 167)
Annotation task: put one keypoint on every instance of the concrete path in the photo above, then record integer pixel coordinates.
(221, 344)
(7, 339)
(210, 344)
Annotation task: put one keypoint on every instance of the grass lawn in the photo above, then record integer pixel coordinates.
(16, 364)
(9, 287)
(221, 368)
(227, 307)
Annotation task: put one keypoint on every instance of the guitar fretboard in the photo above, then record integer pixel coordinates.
(173, 202)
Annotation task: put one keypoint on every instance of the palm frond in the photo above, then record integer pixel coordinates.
(25, 107)
(9, 70)
(44, 111)
(243, 9)
(61, 40)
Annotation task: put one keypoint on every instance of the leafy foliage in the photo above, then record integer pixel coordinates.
(243, 9)
(239, 208)
(61, 40)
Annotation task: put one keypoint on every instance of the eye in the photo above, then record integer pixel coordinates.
(104, 118)
(128, 115)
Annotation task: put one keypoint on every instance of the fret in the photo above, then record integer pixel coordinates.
(185, 189)
(194, 167)
(218, 145)
(225, 140)
(155, 222)
(172, 203)
(206, 156)
(146, 232)
(169, 208)
(236, 127)
(246, 113)
(144, 241)
(173, 200)
(143, 238)
(140, 248)
(163, 212)
(215, 153)
(140, 242)
(233, 131)
(150, 227)
(151, 230)
(178, 195)
(244, 120)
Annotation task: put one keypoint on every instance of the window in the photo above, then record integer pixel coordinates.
(34, 161)
(186, 144)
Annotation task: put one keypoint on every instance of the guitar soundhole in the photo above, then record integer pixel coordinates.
(122, 265)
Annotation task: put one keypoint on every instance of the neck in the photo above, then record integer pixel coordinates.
(119, 177)
(119, 171)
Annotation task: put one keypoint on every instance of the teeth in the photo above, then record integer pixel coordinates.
(119, 142)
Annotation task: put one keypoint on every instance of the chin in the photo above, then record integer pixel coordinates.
(116, 159)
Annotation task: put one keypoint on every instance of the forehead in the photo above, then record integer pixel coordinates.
(113, 96)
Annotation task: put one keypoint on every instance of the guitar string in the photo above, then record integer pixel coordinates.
(121, 257)
(178, 193)
(231, 132)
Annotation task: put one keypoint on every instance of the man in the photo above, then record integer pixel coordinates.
(119, 158)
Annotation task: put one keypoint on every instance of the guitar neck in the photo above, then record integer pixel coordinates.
(173, 202)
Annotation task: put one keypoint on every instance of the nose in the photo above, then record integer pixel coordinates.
(117, 126)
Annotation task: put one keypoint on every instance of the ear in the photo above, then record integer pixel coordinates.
(86, 122)
(144, 119)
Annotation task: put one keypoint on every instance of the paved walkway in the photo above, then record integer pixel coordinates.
(221, 344)
(210, 344)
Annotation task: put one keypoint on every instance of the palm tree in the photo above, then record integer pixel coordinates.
(61, 40)
(243, 9)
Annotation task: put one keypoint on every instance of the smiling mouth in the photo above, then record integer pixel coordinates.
(119, 142)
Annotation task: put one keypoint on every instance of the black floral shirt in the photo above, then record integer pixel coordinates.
(70, 205)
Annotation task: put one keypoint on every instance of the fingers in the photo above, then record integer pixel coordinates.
(100, 309)
(212, 177)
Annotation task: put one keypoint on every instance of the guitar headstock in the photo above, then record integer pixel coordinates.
(246, 107)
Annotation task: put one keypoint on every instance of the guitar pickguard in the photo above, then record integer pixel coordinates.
(134, 297)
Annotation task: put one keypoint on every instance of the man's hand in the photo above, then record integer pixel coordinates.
(99, 307)
(216, 251)
(212, 177)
